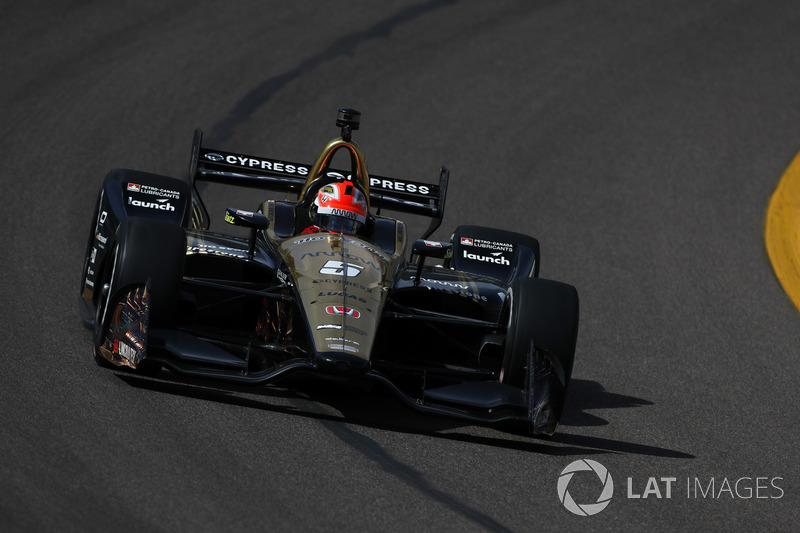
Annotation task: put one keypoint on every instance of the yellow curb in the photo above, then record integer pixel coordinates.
(782, 233)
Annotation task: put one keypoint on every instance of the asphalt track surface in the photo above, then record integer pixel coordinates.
(639, 141)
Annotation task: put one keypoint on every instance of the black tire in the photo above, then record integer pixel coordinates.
(540, 346)
(87, 317)
(146, 250)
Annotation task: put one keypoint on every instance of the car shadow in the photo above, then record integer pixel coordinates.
(357, 404)
(585, 395)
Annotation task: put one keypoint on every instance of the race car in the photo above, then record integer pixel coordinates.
(325, 283)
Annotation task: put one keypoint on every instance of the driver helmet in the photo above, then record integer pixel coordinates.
(340, 208)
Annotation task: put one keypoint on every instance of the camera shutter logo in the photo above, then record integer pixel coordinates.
(586, 509)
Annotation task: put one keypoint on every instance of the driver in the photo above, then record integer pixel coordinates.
(338, 208)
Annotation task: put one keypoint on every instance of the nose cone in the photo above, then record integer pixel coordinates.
(341, 363)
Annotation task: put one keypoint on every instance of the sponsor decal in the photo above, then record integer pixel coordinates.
(340, 339)
(343, 347)
(155, 191)
(101, 215)
(161, 204)
(94, 255)
(124, 341)
(399, 185)
(263, 164)
(341, 310)
(282, 276)
(452, 287)
(338, 268)
(229, 218)
(366, 247)
(331, 192)
(450, 284)
(342, 294)
(89, 283)
(101, 238)
(433, 244)
(213, 249)
(329, 326)
(244, 213)
(494, 245)
(353, 329)
(494, 257)
(344, 254)
(311, 239)
(342, 213)
(327, 193)
(342, 281)
(124, 350)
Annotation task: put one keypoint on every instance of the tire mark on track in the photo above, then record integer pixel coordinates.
(345, 45)
(409, 476)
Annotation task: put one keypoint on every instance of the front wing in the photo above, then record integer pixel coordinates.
(477, 399)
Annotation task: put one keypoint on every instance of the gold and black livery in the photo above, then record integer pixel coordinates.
(462, 327)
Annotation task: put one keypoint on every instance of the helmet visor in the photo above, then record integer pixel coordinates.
(337, 224)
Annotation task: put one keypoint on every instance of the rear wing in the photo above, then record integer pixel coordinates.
(426, 199)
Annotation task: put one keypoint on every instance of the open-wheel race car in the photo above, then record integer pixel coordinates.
(326, 284)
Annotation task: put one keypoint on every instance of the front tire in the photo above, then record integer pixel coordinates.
(540, 347)
(139, 289)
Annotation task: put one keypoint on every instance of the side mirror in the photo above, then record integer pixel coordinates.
(425, 248)
(246, 219)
